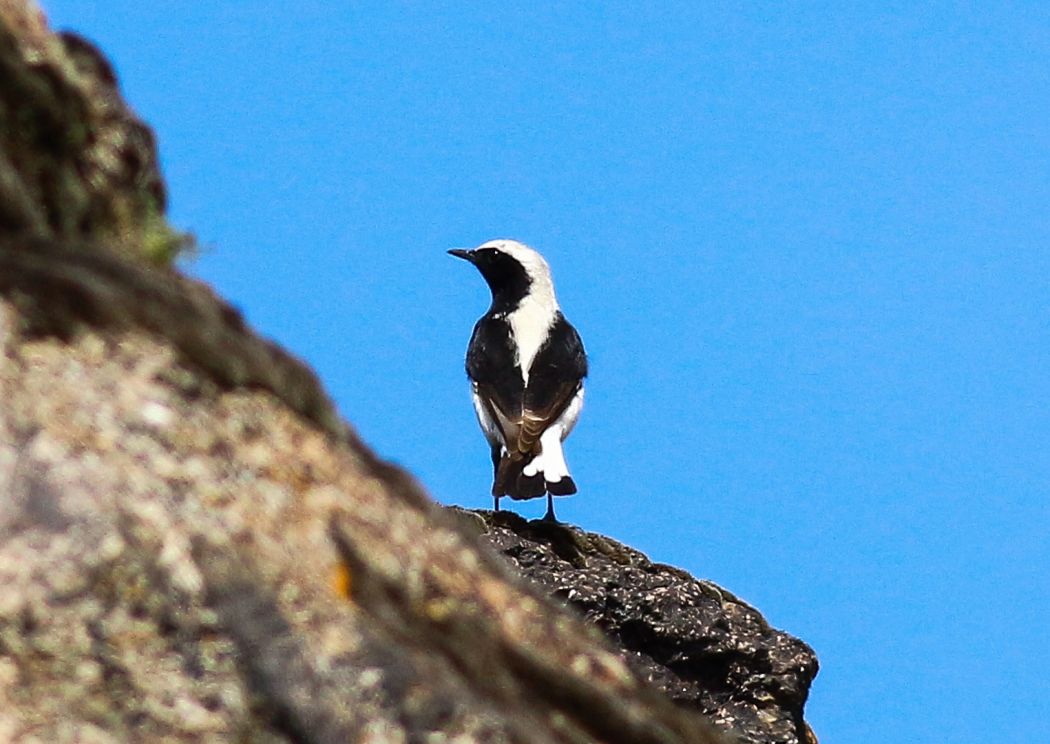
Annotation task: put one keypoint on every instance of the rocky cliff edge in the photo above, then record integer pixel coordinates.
(195, 547)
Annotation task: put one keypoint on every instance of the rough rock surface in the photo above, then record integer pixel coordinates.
(702, 646)
(75, 163)
(193, 545)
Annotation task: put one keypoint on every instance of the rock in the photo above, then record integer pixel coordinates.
(76, 164)
(193, 545)
(699, 644)
(188, 558)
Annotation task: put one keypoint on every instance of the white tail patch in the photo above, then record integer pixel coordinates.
(554, 467)
(551, 459)
(533, 467)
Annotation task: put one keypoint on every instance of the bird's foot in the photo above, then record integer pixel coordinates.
(549, 516)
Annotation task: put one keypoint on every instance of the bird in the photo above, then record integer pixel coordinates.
(526, 365)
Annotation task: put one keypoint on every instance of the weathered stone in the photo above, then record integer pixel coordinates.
(703, 647)
(168, 560)
(193, 545)
(76, 164)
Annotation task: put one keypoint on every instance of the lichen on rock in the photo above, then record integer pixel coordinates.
(76, 164)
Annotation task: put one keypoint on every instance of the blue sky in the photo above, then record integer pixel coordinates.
(805, 244)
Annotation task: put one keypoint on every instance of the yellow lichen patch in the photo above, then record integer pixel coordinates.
(440, 610)
(340, 581)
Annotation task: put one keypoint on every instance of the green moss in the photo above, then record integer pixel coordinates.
(161, 244)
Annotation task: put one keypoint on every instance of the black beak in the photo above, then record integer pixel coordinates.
(462, 253)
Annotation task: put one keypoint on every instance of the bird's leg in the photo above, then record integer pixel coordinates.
(497, 455)
(549, 516)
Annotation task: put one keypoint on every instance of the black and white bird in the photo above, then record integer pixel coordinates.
(526, 365)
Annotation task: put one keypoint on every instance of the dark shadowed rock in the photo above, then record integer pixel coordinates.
(704, 647)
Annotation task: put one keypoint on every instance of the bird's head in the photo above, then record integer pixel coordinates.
(512, 270)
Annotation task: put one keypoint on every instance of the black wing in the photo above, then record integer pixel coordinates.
(555, 376)
(492, 367)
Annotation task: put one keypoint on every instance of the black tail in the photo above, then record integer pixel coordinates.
(564, 487)
(511, 481)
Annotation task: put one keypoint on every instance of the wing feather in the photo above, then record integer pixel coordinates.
(522, 412)
(535, 421)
